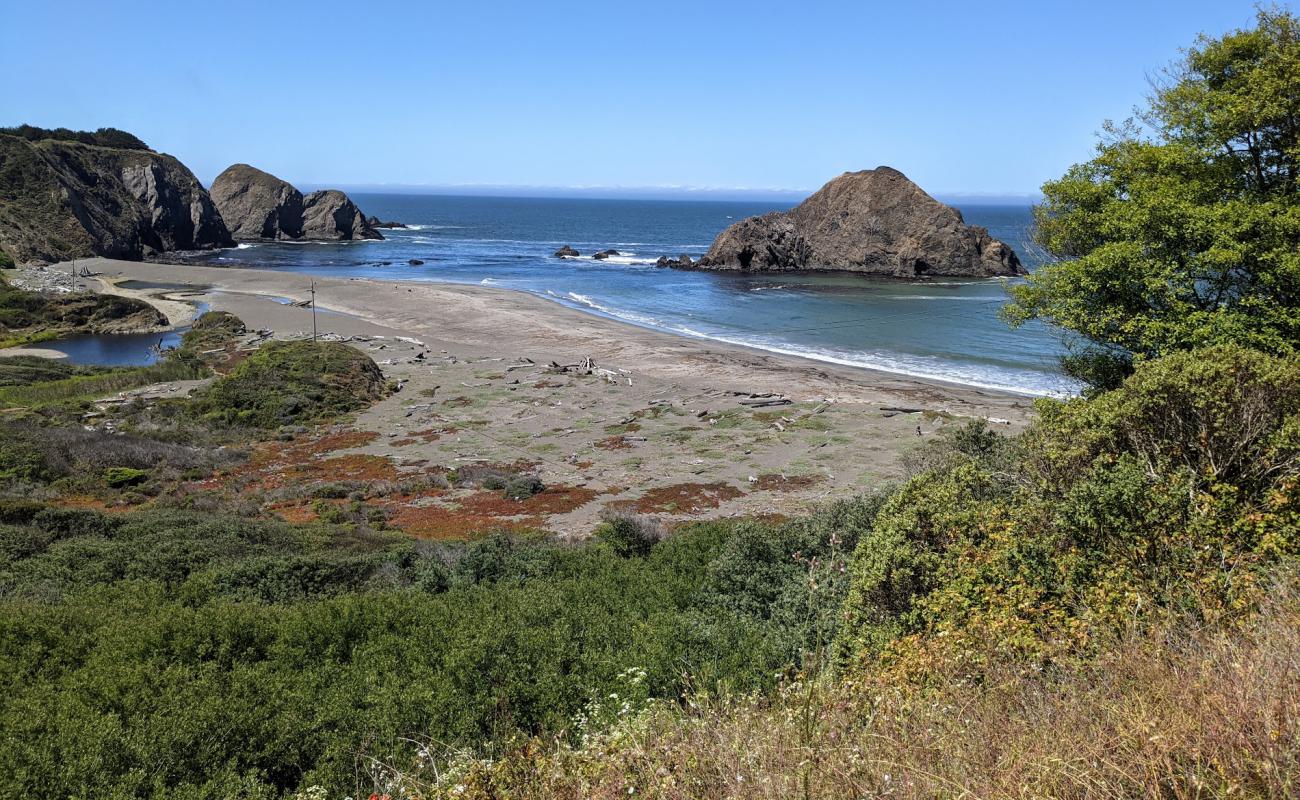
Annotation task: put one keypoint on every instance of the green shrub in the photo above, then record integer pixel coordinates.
(118, 477)
(1176, 493)
(630, 536)
(292, 382)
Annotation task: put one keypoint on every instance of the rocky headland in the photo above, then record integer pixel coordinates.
(874, 222)
(98, 194)
(257, 206)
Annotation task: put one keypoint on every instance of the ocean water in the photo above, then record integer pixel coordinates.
(944, 328)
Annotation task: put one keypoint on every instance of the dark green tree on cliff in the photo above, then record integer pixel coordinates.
(1184, 230)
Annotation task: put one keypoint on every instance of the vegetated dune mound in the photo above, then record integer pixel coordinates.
(27, 316)
(875, 222)
(64, 198)
(286, 383)
(258, 205)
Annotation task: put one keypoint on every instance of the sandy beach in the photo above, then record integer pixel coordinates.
(652, 423)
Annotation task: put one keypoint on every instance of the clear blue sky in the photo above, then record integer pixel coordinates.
(990, 97)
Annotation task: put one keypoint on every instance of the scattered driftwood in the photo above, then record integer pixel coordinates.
(901, 410)
(587, 367)
(764, 402)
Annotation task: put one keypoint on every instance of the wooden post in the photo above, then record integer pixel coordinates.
(313, 309)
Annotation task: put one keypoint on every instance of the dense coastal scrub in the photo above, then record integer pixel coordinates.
(182, 655)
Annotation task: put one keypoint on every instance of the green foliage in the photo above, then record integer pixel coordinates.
(25, 370)
(292, 382)
(6, 260)
(515, 487)
(1177, 493)
(182, 654)
(88, 384)
(629, 536)
(118, 477)
(222, 321)
(103, 137)
(1185, 232)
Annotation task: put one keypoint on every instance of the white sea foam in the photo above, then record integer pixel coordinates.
(1014, 381)
(245, 246)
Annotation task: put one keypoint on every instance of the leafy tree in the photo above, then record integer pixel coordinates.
(1184, 231)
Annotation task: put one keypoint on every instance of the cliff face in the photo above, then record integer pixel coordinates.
(258, 205)
(63, 199)
(875, 222)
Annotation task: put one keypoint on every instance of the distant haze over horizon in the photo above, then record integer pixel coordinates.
(719, 194)
(973, 102)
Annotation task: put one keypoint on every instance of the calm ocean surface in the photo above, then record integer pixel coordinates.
(946, 329)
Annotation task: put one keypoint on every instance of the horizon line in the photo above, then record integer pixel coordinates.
(671, 191)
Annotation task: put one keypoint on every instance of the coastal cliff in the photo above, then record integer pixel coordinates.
(875, 222)
(63, 198)
(258, 206)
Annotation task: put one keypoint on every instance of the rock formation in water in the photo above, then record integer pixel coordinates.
(604, 254)
(256, 205)
(62, 199)
(331, 214)
(376, 222)
(681, 262)
(875, 222)
(567, 252)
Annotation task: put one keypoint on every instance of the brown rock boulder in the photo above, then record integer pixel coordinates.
(256, 205)
(331, 214)
(875, 222)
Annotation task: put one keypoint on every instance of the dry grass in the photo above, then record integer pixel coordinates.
(1177, 714)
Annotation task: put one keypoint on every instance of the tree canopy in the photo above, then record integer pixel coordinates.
(102, 137)
(1184, 230)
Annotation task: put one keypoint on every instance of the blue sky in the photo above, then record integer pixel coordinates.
(964, 97)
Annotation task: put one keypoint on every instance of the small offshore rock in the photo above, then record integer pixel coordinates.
(681, 262)
(567, 252)
(604, 254)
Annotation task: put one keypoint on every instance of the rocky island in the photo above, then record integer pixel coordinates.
(257, 205)
(74, 194)
(874, 222)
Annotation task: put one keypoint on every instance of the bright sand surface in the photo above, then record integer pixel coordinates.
(665, 432)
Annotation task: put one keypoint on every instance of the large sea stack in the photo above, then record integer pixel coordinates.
(875, 222)
(73, 194)
(259, 206)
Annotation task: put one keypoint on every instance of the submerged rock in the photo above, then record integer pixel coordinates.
(62, 199)
(875, 222)
(415, 262)
(604, 254)
(257, 205)
(567, 252)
